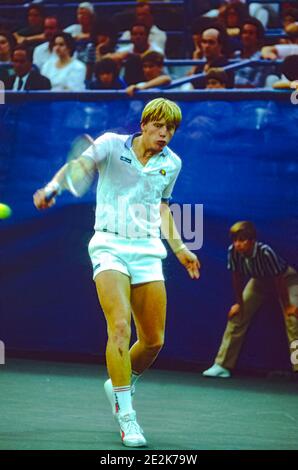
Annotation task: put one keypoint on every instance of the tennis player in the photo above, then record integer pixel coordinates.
(137, 177)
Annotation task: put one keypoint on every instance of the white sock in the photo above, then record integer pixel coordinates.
(123, 399)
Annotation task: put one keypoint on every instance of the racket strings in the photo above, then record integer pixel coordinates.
(79, 177)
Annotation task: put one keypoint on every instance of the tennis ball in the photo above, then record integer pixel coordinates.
(5, 211)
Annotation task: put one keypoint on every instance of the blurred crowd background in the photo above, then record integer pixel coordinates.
(67, 46)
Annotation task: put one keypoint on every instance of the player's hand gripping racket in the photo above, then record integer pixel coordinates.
(77, 174)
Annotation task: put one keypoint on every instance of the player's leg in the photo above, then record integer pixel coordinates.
(113, 290)
(148, 303)
(253, 296)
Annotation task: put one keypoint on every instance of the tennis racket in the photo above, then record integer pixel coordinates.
(78, 173)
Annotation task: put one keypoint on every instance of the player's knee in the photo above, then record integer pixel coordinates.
(155, 344)
(120, 331)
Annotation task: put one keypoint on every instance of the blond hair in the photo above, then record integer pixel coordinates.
(161, 108)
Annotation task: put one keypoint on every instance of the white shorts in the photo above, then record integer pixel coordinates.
(138, 258)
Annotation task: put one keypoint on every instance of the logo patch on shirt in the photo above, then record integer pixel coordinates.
(124, 159)
(163, 172)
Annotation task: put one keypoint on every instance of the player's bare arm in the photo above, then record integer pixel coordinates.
(169, 230)
(60, 183)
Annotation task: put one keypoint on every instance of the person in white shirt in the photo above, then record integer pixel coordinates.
(157, 37)
(137, 176)
(42, 53)
(64, 72)
(140, 43)
(86, 20)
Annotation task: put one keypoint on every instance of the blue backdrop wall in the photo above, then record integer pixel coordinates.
(239, 161)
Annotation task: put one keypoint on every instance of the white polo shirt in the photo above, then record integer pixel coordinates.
(157, 37)
(128, 193)
(42, 54)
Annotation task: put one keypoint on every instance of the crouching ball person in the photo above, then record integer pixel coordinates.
(270, 276)
(137, 176)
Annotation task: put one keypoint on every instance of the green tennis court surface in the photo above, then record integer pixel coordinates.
(47, 405)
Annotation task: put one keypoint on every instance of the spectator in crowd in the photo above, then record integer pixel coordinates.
(196, 39)
(140, 47)
(216, 79)
(32, 33)
(265, 13)
(144, 16)
(102, 42)
(252, 35)
(104, 38)
(232, 16)
(7, 44)
(43, 52)
(25, 78)
(281, 51)
(154, 75)
(218, 7)
(107, 76)
(133, 53)
(214, 46)
(197, 28)
(289, 16)
(139, 35)
(86, 19)
(82, 30)
(65, 72)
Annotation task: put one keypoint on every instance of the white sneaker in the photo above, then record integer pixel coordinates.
(217, 371)
(108, 387)
(131, 433)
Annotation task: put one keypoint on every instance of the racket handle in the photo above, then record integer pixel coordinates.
(52, 190)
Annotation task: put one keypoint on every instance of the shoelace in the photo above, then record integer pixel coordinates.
(131, 426)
